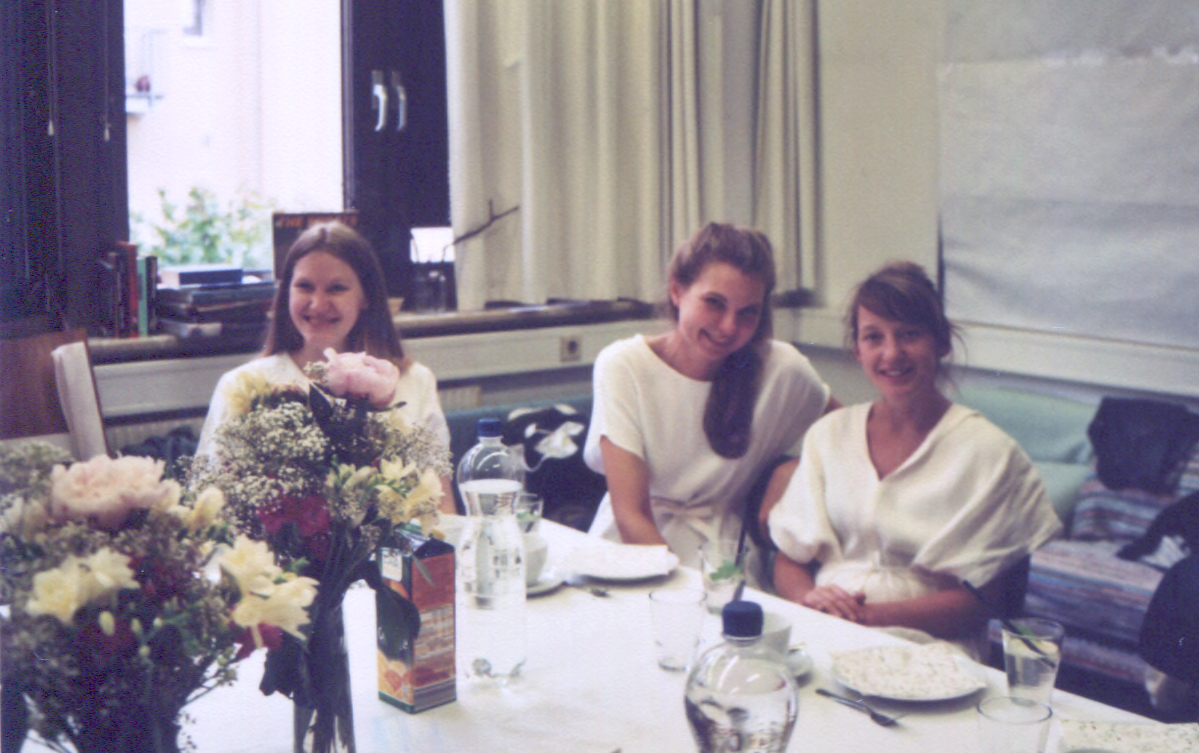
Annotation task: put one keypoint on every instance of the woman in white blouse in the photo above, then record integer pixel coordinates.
(332, 295)
(897, 502)
(683, 423)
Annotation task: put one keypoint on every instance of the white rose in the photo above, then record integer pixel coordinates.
(105, 491)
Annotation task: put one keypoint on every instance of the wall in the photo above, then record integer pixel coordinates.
(878, 199)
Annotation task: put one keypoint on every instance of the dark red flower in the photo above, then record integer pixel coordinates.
(100, 650)
(272, 638)
(309, 516)
(160, 579)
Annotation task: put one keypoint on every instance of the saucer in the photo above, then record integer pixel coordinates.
(546, 583)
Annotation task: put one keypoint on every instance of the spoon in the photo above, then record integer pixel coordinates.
(875, 716)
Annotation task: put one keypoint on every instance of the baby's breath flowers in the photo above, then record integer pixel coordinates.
(113, 623)
(322, 474)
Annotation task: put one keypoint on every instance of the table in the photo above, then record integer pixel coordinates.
(591, 684)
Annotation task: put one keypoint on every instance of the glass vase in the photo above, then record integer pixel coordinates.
(324, 722)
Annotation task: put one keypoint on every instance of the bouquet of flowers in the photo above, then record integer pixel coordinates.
(127, 598)
(323, 473)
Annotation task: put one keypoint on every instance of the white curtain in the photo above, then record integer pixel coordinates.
(609, 123)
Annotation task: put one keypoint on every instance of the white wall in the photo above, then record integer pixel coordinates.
(878, 196)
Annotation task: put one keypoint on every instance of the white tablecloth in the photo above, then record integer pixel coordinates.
(591, 684)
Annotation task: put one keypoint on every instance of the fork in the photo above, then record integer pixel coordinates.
(593, 590)
(875, 716)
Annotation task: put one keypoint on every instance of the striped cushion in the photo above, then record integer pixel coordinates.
(1082, 584)
(1103, 514)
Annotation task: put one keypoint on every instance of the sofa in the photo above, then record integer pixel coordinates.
(1078, 580)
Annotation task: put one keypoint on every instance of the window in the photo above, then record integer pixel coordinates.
(68, 189)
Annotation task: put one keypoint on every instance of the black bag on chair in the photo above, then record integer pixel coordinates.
(553, 440)
(1142, 443)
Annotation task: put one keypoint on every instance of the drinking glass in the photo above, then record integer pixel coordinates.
(528, 508)
(1012, 725)
(1032, 651)
(677, 615)
(722, 572)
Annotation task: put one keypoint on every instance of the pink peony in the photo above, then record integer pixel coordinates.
(358, 375)
(105, 491)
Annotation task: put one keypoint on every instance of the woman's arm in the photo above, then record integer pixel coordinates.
(950, 613)
(628, 489)
(792, 580)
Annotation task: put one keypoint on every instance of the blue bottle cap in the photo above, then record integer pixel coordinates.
(742, 619)
(491, 427)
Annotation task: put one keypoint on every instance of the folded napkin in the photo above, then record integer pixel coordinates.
(603, 559)
(1129, 737)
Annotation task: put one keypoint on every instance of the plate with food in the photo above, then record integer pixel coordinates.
(930, 672)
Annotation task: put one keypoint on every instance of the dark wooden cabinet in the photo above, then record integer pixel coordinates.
(396, 126)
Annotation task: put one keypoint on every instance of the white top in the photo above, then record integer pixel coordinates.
(966, 505)
(417, 389)
(644, 406)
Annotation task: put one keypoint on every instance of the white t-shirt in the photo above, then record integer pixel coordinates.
(417, 389)
(966, 505)
(644, 406)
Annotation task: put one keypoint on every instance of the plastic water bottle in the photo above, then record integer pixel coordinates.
(491, 569)
(740, 695)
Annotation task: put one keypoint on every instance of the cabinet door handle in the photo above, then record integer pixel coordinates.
(401, 101)
(379, 99)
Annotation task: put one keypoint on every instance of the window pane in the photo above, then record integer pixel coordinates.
(231, 124)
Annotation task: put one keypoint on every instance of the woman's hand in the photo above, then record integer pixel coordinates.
(838, 602)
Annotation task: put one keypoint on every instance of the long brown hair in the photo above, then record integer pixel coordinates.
(374, 331)
(728, 415)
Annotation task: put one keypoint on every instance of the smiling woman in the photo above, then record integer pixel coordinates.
(896, 502)
(684, 423)
(331, 297)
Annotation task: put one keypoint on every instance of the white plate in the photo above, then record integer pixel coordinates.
(622, 562)
(932, 672)
(1128, 737)
(546, 583)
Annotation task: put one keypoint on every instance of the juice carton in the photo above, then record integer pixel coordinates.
(417, 674)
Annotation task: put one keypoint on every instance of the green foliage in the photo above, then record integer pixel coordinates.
(202, 231)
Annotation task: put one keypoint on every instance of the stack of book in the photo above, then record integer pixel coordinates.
(127, 283)
(212, 301)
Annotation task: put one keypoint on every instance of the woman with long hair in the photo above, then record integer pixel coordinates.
(899, 501)
(331, 294)
(684, 422)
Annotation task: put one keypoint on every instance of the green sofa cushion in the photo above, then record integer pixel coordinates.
(1049, 428)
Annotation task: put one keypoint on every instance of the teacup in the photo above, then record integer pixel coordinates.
(536, 553)
(776, 632)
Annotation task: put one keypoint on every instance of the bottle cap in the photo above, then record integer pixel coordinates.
(742, 619)
(490, 427)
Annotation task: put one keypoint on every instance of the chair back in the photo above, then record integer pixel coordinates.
(30, 390)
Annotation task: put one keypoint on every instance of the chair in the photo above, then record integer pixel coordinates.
(40, 376)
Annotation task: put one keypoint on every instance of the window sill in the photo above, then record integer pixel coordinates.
(411, 325)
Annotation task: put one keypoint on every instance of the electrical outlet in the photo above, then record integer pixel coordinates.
(570, 349)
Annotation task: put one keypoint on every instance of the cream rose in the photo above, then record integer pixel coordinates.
(361, 376)
(106, 491)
